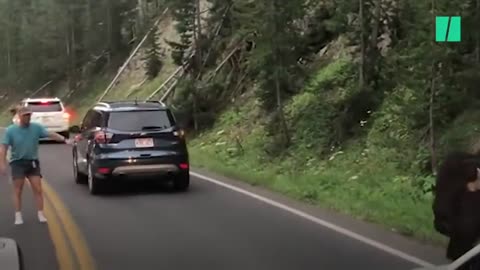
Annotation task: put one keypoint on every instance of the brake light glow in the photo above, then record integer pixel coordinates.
(66, 115)
(103, 170)
(44, 102)
(103, 137)
(183, 166)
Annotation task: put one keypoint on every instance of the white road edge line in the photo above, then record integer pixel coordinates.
(321, 222)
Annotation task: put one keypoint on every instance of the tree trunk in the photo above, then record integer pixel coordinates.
(11, 38)
(114, 24)
(68, 50)
(73, 55)
(88, 42)
(197, 29)
(372, 47)
(278, 61)
(361, 77)
(195, 119)
(431, 122)
(280, 112)
(141, 15)
(431, 103)
(109, 28)
(198, 51)
(9, 52)
(477, 33)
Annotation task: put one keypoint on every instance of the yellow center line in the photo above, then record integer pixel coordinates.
(72, 230)
(64, 255)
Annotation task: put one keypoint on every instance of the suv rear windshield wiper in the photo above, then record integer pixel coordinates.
(153, 127)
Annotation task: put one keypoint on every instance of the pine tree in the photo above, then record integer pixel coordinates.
(275, 57)
(184, 13)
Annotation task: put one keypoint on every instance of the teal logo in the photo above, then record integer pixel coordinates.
(448, 29)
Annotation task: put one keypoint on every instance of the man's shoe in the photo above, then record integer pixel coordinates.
(18, 218)
(41, 217)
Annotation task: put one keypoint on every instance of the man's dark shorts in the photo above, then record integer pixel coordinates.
(25, 168)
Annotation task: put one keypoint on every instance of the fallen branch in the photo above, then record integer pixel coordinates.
(222, 63)
(110, 86)
(179, 69)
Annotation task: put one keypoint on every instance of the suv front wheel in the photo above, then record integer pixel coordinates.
(80, 178)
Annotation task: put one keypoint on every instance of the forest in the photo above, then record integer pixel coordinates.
(349, 105)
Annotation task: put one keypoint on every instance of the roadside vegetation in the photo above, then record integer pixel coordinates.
(348, 105)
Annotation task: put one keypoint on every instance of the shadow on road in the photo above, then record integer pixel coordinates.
(135, 188)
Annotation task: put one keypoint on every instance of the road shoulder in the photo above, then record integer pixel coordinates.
(371, 231)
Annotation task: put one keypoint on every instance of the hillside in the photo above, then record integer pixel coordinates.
(341, 107)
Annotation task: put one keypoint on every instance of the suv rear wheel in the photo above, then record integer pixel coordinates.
(94, 185)
(181, 182)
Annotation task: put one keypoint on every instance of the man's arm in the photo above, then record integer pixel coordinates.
(3, 153)
(6, 142)
(57, 137)
(44, 133)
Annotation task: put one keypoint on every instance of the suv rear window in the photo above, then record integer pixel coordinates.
(138, 120)
(50, 106)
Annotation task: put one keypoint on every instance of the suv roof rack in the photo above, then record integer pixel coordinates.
(42, 99)
(119, 105)
(155, 101)
(103, 104)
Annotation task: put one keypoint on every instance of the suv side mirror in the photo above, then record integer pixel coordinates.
(75, 129)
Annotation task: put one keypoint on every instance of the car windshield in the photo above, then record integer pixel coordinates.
(140, 120)
(49, 106)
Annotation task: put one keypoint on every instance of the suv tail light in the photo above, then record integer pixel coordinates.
(103, 170)
(66, 115)
(103, 137)
(180, 133)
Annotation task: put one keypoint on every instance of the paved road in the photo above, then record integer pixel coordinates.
(209, 227)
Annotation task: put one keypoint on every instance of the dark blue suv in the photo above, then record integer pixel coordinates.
(130, 140)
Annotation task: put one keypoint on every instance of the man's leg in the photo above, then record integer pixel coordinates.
(18, 178)
(17, 193)
(36, 183)
(35, 178)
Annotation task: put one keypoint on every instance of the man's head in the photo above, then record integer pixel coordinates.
(14, 109)
(24, 115)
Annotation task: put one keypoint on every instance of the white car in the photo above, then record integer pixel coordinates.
(457, 263)
(50, 112)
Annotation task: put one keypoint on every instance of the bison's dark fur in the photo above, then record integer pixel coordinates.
(456, 209)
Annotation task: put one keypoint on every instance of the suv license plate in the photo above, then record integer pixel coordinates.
(141, 143)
